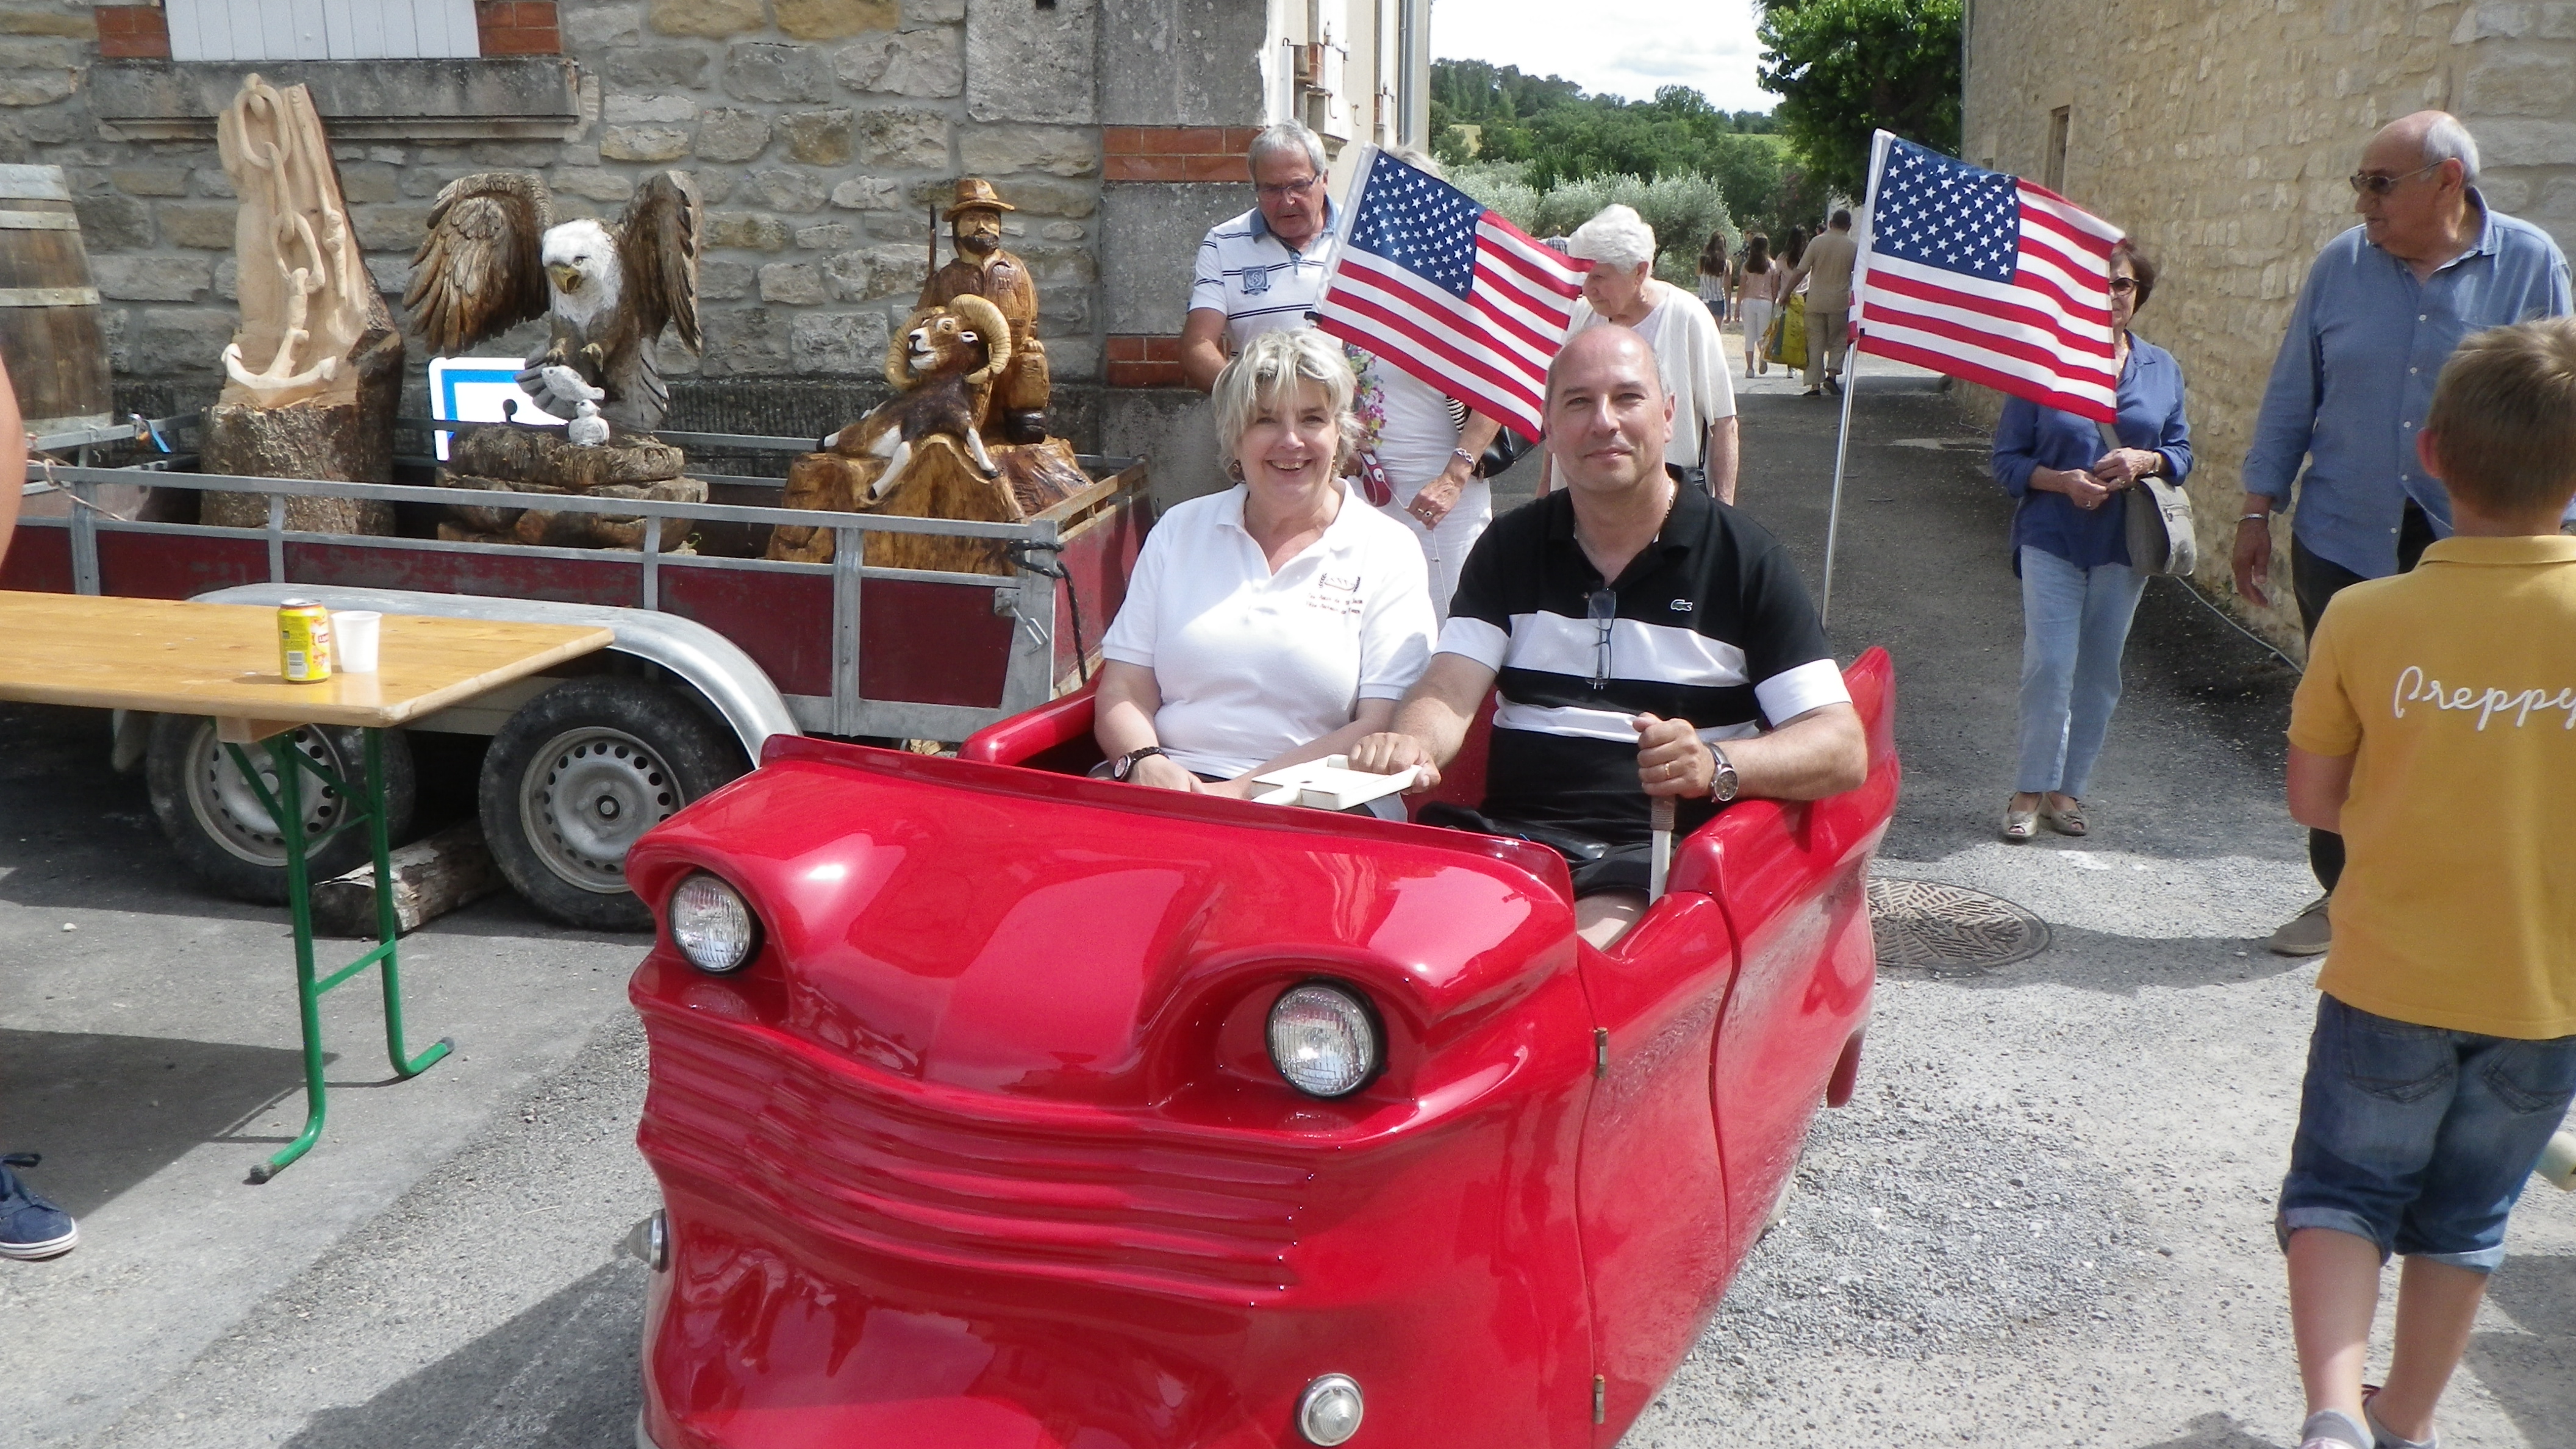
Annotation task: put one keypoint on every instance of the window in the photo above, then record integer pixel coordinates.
(2060, 121)
(322, 29)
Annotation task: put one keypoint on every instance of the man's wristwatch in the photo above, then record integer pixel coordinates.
(1721, 786)
(1125, 765)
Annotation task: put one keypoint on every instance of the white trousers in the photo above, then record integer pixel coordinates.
(1445, 547)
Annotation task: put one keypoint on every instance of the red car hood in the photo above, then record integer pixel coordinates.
(998, 930)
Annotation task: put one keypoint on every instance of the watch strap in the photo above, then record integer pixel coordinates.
(1128, 762)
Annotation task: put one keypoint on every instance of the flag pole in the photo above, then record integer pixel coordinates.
(1867, 225)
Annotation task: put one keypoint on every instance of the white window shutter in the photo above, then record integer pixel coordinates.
(322, 29)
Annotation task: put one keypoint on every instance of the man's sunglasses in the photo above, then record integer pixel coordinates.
(1602, 607)
(2380, 183)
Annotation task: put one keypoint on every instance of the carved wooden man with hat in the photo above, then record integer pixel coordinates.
(982, 268)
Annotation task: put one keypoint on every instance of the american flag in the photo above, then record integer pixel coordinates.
(1434, 283)
(1984, 276)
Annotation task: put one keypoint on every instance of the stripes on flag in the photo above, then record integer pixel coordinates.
(1987, 277)
(1444, 288)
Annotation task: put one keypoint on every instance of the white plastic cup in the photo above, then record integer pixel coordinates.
(2558, 1162)
(354, 631)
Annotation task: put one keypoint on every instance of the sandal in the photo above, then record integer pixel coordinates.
(2020, 825)
(2069, 821)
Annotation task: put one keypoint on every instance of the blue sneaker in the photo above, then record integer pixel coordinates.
(30, 1227)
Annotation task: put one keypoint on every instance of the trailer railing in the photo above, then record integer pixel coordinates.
(1027, 594)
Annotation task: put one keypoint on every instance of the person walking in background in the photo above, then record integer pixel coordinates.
(2444, 1053)
(2070, 546)
(1261, 271)
(1757, 299)
(30, 1226)
(2430, 264)
(1621, 288)
(1825, 270)
(1713, 276)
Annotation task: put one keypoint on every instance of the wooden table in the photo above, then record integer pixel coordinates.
(221, 660)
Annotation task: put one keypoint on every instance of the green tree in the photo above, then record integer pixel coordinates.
(1845, 68)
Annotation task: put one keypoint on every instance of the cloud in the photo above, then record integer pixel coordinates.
(1617, 47)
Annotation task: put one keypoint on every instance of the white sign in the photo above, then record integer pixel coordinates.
(481, 390)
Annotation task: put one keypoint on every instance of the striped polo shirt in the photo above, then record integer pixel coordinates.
(1708, 623)
(1247, 273)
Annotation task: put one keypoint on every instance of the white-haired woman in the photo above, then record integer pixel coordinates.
(1621, 288)
(1275, 622)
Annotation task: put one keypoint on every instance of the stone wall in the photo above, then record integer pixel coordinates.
(817, 131)
(2219, 134)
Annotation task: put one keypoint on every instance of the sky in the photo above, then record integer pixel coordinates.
(1624, 47)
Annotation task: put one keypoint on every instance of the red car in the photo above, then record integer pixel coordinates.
(997, 1106)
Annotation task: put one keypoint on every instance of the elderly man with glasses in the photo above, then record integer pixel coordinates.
(1648, 641)
(2381, 310)
(1261, 271)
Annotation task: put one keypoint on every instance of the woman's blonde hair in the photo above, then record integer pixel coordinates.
(1265, 374)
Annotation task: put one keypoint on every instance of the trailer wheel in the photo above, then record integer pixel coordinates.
(578, 775)
(225, 836)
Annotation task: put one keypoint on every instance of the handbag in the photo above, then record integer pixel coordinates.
(2159, 524)
(1508, 447)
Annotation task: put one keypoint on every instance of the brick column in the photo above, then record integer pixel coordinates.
(518, 27)
(133, 32)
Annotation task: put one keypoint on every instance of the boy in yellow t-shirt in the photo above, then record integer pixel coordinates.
(2436, 729)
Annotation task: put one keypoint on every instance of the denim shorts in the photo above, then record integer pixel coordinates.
(2420, 1138)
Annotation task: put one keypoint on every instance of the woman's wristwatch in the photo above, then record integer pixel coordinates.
(1125, 765)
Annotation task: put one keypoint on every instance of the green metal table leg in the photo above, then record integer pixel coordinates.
(388, 928)
(286, 809)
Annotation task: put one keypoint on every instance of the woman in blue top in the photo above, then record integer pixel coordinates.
(2070, 546)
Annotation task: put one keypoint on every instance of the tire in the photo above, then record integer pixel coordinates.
(579, 773)
(225, 836)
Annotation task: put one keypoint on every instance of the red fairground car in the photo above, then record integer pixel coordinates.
(996, 1106)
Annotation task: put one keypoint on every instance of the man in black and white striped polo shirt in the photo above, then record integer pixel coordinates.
(1642, 634)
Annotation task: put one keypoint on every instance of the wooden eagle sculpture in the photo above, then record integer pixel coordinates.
(494, 258)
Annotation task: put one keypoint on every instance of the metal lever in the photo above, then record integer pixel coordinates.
(1661, 852)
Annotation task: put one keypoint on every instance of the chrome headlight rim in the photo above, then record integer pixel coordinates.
(1313, 1399)
(1371, 1026)
(750, 934)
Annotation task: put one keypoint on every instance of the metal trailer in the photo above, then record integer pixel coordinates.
(713, 654)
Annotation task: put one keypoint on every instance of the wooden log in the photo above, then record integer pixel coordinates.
(545, 455)
(431, 877)
(940, 482)
(351, 442)
(537, 525)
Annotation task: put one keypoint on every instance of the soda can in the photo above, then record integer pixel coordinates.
(304, 641)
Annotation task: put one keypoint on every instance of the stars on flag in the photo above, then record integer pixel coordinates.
(1948, 214)
(1420, 224)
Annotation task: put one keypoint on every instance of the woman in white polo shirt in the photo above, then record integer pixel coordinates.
(1277, 621)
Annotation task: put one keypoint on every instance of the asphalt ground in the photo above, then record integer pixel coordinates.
(2044, 1220)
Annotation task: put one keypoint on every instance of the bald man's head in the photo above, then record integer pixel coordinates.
(2413, 186)
(1585, 346)
(1608, 416)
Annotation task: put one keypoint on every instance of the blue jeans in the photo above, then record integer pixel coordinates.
(2420, 1138)
(2075, 622)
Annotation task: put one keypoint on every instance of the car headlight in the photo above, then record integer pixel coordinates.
(711, 925)
(1323, 1040)
(1328, 1412)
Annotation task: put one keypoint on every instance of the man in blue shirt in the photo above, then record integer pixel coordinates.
(2381, 310)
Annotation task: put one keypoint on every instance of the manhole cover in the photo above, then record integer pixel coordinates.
(1925, 925)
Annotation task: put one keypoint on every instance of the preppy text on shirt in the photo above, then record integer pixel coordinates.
(2416, 687)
